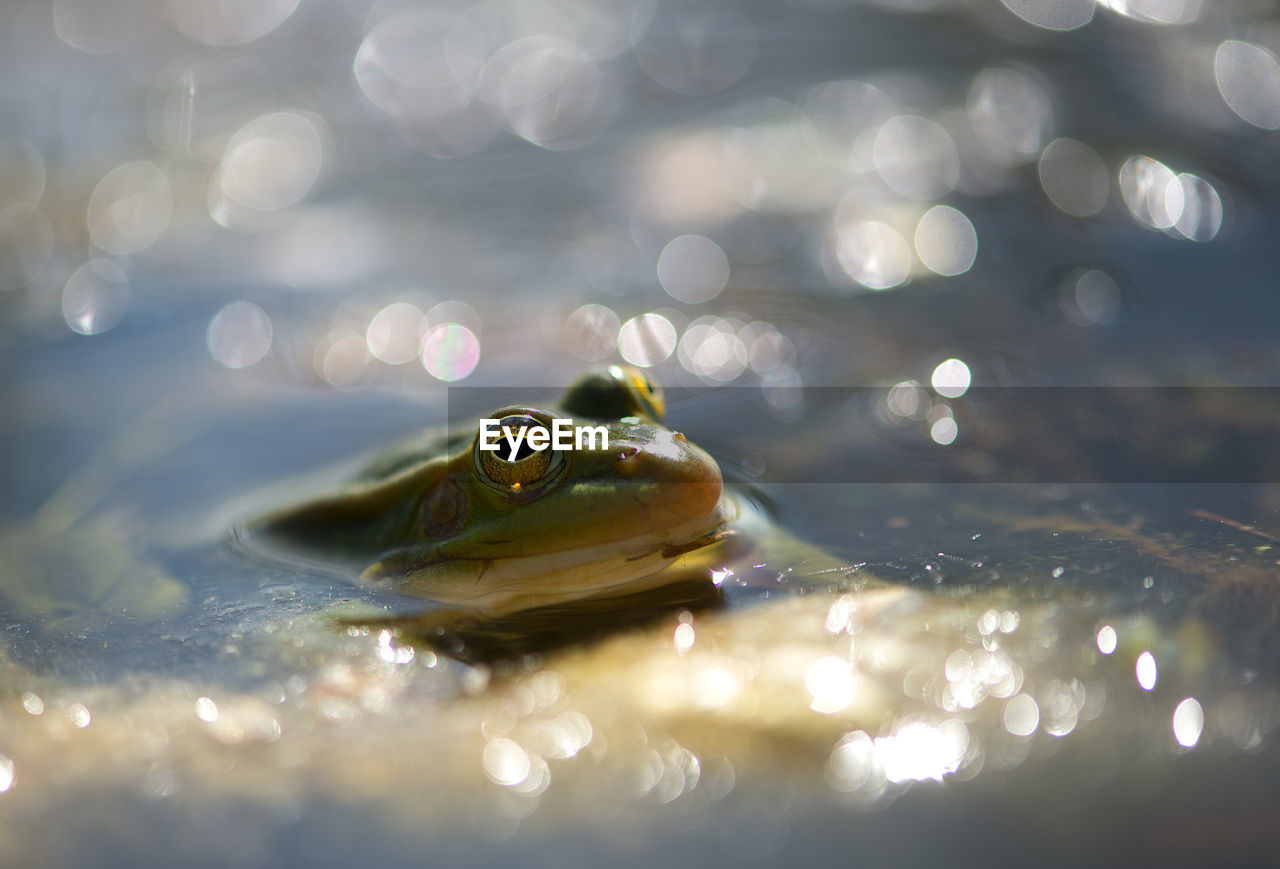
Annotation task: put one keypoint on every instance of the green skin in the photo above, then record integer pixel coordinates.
(432, 521)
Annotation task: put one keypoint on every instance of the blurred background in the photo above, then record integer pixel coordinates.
(242, 238)
(259, 198)
(348, 195)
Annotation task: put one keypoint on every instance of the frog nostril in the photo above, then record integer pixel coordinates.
(629, 463)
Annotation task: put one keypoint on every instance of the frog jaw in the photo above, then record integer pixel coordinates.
(499, 585)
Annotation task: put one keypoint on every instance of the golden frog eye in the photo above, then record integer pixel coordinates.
(527, 468)
(616, 392)
(648, 393)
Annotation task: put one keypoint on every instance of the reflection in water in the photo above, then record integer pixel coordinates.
(693, 269)
(1146, 671)
(1248, 76)
(1021, 715)
(686, 704)
(230, 22)
(342, 358)
(420, 63)
(1011, 113)
(898, 687)
(1156, 11)
(592, 332)
(130, 208)
(1183, 205)
(692, 179)
(874, 254)
(450, 351)
(103, 28)
(270, 163)
(945, 241)
(1188, 722)
(916, 157)
(239, 335)
(1073, 177)
(697, 50)
(711, 349)
(1053, 14)
(646, 340)
(95, 297)
(1090, 298)
(951, 378)
(856, 164)
(1106, 639)
(32, 703)
(395, 333)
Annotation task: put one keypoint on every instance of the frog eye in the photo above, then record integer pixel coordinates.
(649, 393)
(515, 465)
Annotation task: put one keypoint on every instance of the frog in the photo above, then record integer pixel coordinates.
(496, 532)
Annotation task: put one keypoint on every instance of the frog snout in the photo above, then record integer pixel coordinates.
(674, 470)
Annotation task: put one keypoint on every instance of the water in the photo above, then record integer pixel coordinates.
(238, 245)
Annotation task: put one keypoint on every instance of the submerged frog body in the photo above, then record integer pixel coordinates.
(497, 532)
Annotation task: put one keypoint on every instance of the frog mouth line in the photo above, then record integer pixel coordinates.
(503, 585)
(716, 536)
(666, 545)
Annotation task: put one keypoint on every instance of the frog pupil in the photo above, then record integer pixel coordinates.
(515, 425)
(524, 452)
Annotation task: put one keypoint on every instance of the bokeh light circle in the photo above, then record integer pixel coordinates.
(450, 351)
